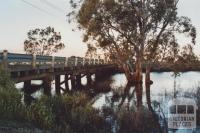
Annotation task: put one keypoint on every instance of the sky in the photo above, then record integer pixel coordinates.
(17, 18)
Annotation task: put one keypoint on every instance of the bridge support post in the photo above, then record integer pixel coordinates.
(5, 61)
(73, 82)
(52, 64)
(57, 84)
(99, 76)
(27, 86)
(34, 61)
(78, 81)
(27, 92)
(89, 79)
(47, 86)
(66, 82)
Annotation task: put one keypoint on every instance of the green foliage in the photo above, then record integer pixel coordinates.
(10, 105)
(10, 99)
(66, 113)
(141, 121)
(132, 30)
(13, 109)
(5, 82)
(40, 115)
(86, 119)
(43, 41)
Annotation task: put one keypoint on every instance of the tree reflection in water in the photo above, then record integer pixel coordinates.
(133, 113)
(148, 97)
(126, 106)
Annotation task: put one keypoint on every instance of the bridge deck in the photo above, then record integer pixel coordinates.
(24, 67)
(31, 74)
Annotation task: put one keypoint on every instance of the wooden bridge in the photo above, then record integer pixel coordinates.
(24, 68)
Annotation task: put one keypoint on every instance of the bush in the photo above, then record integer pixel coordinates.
(10, 98)
(141, 121)
(10, 105)
(66, 113)
(60, 114)
(40, 115)
(86, 120)
(5, 82)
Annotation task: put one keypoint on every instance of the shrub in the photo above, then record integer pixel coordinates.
(85, 119)
(5, 82)
(141, 121)
(66, 113)
(40, 115)
(60, 114)
(10, 98)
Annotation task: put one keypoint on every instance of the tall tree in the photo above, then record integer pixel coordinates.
(43, 41)
(131, 30)
(187, 55)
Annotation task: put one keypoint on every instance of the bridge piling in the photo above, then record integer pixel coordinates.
(78, 80)
(27, 92)
(89, 78)
(34, 61)
(47, 85)
(73, 82)
(57, 84)
(53, 62)
(30, 88)
(27, 87)
(5, 59)
(66, 82)
(99, 75)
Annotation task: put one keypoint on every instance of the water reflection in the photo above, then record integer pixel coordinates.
(129, 103)
(127, 96)
(148, 96)
(132, 95)
(155, 97)
(115, 93)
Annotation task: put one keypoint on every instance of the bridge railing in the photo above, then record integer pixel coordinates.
(35, 61)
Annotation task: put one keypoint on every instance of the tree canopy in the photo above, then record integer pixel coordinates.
(132, 30)
(43, 41)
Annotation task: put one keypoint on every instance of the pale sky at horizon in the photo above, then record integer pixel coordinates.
(17, 18)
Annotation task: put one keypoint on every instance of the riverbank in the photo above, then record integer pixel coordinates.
(17, 127)
(166, 68)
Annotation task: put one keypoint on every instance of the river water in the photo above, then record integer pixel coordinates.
(164, 88)
(114, 92)
(164, 85)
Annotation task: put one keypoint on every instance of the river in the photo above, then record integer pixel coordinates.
(113, 91)
(165, 86)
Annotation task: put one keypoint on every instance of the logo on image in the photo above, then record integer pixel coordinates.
(182, 113)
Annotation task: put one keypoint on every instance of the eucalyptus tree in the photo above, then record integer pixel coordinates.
(43, 41)
(187, 55)
(131, 30)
